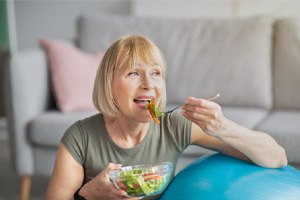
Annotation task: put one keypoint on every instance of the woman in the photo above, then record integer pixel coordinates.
(132, 73)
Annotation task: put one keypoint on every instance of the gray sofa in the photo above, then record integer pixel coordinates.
(253, 63)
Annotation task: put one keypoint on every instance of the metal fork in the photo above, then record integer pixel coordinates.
(173, 109)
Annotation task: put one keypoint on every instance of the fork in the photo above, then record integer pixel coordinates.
(173, 109)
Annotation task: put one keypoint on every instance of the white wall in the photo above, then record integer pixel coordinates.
(181, 8)
(215, 8)
(56, 18)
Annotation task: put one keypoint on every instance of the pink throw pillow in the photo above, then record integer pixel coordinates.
(72, 75)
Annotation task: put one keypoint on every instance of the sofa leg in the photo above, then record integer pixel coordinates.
(25, 187)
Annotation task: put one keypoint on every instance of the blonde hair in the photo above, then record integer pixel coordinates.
(124, 52)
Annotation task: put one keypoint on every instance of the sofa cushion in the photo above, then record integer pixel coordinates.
(48, 128)
(204, 57)
(283, 125)
(248, 117)
(287, 64)
(72, 74)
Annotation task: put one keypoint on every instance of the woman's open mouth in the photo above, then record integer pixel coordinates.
(142, 102)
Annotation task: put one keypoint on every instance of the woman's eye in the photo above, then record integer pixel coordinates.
(155, 73)
(133, 74)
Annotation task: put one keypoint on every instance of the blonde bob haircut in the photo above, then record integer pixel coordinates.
(124, 53)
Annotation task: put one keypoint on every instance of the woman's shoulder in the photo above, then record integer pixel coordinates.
(93, 119)
(171, 118)
(77, 137)
(178, 128)
(88, 124)
(175, 122)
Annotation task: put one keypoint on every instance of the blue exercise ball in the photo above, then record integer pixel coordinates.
(221, 177)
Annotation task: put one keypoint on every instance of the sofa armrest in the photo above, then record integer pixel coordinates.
(28, 95)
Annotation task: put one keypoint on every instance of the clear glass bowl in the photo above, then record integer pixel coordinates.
(142, 180)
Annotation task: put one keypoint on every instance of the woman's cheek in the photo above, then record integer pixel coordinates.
(162, 92)
(160, 85)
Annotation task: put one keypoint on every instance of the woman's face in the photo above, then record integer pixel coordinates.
(133, 88)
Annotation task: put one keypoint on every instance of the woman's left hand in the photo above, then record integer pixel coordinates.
(206, 114)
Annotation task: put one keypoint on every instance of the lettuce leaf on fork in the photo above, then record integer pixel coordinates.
(154, 111)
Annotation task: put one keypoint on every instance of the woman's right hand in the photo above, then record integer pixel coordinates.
(100, 187)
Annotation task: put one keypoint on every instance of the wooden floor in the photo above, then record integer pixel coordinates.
(9, 187)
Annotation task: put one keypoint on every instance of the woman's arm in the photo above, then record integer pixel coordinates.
(66, 178)
(212, 130)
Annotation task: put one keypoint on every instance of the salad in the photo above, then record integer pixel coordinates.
(154, 111)
(142, 181)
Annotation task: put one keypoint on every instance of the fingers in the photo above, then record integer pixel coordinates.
(101, 187)
(206, 114)
(110, 167)
(195, 117)
(116, 192)
(192, 101)
(113, 166)
(201, 109)
(119, 193)
(107, 169)
(133, 198)
(112, 191)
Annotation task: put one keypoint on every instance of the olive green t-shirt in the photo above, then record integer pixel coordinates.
(89, 143)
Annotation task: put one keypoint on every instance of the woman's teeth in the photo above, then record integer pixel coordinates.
(141, 101)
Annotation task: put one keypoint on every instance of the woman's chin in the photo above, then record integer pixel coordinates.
(145, 119)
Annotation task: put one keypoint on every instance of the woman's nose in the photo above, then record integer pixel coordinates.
(147, 82)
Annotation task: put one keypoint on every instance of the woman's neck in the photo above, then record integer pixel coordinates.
(125, 133)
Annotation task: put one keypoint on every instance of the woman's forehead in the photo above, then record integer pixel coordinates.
(143, 64)
(138, 65)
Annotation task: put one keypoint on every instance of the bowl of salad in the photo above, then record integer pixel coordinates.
(142, 180)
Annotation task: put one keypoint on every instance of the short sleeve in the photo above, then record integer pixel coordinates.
(73, 140)
(179, 129)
